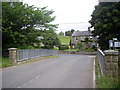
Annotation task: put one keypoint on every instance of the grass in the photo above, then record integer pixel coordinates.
(117, 50)
(56, 48)
(40, 58)
(106, 82)
(71, 50)
(64, 39)
(5, 62)
(89, 50)
(0, 62)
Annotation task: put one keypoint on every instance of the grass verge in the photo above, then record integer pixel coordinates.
(71, 50)
(38, 59)
(106, 82)
(5, 62)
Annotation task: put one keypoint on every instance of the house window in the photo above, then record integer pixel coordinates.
(91, 38)
(76, 38)
(82, 38)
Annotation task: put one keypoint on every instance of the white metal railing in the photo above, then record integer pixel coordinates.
(101, 60)
(34, 53)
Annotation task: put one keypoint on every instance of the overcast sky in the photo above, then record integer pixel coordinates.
(70, 14)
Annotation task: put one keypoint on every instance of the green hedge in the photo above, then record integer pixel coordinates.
(63, 47)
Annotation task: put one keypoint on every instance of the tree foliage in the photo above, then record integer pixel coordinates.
(61, 33)
(106, 22)
(21, 24)
(50, 39)
(69, 33)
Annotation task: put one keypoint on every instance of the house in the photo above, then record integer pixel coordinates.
(108, 1)
(86, 38)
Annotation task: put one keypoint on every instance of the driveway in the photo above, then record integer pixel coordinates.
(66, 71)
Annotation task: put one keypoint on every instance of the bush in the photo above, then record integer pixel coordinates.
(26, 47)
(63, 47)
(43, 47)
(79, 45)
(89, 50)
(5, 52)
(94, 47)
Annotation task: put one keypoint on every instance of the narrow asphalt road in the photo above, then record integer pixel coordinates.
(66, 71)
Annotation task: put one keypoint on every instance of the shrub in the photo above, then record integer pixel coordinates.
(26, 47)
(94, 47)
(63, 47)
(79, 45)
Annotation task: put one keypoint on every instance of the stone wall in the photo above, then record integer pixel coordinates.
(13, 55)
(111, 63)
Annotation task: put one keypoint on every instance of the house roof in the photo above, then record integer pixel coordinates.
(109, 0)
(82, 33)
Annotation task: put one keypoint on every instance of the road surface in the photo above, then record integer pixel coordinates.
(66, 71)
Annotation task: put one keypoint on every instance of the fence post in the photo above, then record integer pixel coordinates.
(111, 63)
(13, 55)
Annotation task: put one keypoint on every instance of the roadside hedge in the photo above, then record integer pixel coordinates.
(63, 47)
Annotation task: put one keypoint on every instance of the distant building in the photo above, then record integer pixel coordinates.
(40, 37)
(81, 36)
(109, 0)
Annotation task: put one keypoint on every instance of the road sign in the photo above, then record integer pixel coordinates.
(116, 44)
(115, 39)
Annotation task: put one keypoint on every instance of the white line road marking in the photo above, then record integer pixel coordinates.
(29, 81)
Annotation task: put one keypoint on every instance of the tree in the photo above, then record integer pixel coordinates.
(21, 22)
(86, 42)
(106, 23)
(79, 45)
(69, 33)
(50, 39)
(61, 33)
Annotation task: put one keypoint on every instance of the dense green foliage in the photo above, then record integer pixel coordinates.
(22, 24)
(50, 39)
(61, 33)
(79, 45)
(106, 23)
(64, 47)
(69, 33)
(73, 50)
